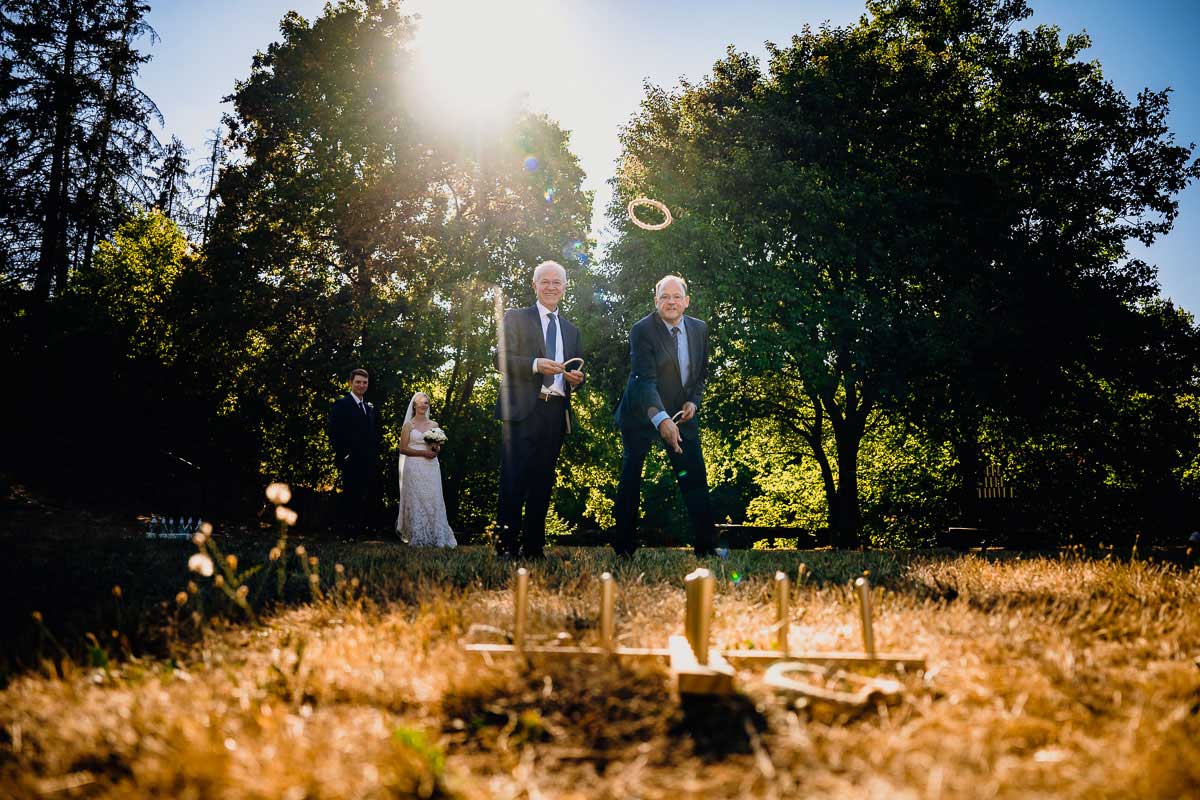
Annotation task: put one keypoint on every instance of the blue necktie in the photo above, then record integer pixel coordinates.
(551, 348)
(678, 360)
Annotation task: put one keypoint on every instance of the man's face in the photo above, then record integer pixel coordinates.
(550, 285)
(358, 385)
(671, 302)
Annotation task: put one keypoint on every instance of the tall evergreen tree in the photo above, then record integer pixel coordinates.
(171, 180)
(75, 133)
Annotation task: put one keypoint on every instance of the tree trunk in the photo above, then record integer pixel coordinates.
(52, 257)
(966, 451)
(846, 520)
(212, 177)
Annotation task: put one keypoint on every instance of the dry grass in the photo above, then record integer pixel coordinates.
(1048, 677)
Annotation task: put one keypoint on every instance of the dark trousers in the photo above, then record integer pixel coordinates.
(691, 475)
(530, 450)
(354, 506)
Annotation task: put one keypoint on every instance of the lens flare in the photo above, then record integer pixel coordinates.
(531, 163)
(550, 195)
(568, 249)
(736, 577)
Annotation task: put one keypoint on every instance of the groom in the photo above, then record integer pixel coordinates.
(355, 433)
(535, 395)
(669, 367)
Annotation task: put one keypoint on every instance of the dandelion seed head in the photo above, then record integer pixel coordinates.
(196, 617)
(199, 538)
(242, 591)
(279, 493)
(193, 588)
(201, 564)
(37, 617)
(275, 554)
(339, 569)
(354, 583)
(116, 592)
(181, 598)
(231, 560)
(206, 528)
(313, 579)
(286, 515)
(219, 581)
(312, 561)
(300, 551)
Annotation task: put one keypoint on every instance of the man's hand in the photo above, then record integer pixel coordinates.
(574, 377)
(548, 366)
(670, 434)
(688, 411)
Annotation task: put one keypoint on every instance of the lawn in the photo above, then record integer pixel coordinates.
(1049, 675)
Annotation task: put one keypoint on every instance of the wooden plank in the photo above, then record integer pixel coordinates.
(692, 677)
(892, 660)
(567, 652)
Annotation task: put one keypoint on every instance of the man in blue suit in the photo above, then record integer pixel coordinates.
(535, 346)
(668, 369)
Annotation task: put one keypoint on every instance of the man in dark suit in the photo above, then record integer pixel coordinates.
(355, 432)
(668, 370)
(535, 398)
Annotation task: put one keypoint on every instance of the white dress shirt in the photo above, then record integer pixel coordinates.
(544, 313)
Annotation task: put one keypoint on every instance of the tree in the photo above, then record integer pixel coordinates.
(75, 132)
(351, 230)
(892, 205)
(171, 180)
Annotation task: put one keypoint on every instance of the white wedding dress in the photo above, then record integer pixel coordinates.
(422, 519)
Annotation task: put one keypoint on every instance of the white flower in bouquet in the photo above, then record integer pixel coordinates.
(435, 436)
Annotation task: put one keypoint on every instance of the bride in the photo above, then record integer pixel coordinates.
(422, 519)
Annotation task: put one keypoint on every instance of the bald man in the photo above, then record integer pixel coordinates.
(668, 353)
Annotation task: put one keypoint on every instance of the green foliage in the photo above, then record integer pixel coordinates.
(356, 231)
(132, 286)
(893, 216)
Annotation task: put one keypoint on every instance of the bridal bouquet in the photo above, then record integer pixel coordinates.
(435, 436)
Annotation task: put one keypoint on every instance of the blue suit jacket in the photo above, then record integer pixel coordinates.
(654, 380)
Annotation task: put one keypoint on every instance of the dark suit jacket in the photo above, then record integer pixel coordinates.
(355, 436)
(654, 380)
(521, 341)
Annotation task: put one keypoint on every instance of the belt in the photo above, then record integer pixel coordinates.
(548, 396)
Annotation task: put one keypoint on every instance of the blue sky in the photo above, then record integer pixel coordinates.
(583, 62)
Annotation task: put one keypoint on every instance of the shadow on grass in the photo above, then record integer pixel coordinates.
(718, 726)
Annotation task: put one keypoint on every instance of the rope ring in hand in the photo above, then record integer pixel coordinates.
(648, 226)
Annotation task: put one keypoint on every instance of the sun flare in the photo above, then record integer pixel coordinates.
(477, 57)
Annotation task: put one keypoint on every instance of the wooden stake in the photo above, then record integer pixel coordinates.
(606, 612)
(520, 609)
(783, 591)
(697, 621)
(864, 602)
